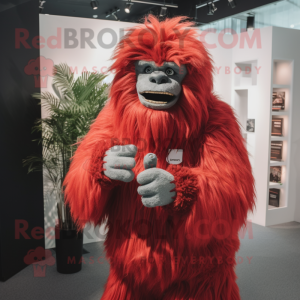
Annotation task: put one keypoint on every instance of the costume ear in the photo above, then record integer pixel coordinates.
(150, 161)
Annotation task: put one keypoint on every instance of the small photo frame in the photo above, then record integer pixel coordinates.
(250, 125)
(275, 174)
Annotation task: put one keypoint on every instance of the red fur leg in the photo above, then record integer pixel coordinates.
(178, 291)
(229, 291)
(117, 288)
(195, 291)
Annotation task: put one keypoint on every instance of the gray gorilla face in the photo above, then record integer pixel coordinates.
(159, 87)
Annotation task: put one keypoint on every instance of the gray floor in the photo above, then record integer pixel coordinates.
(273, 274)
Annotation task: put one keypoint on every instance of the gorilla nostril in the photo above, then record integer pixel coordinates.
(163, 80)
(152, 80)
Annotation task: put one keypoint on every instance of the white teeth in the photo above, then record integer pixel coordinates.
(156, 102)
(162, 93)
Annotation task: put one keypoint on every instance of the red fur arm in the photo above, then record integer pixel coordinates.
(225, 174)
(187, 189)
(226, 183)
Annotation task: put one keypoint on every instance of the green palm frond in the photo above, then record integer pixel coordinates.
(63, 79)
(71, 110)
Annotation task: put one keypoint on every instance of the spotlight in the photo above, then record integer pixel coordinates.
(114, 13)
(163, 11)
(94, 4)
(211, 8)
(232, 3)
(250, 22)
(41, 7)
(115, 16)
(128, 7)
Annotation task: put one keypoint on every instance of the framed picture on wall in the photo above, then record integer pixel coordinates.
(250, 125)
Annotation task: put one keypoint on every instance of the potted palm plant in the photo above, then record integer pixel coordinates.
(76, 102)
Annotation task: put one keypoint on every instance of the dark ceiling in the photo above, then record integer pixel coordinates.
(82, 8)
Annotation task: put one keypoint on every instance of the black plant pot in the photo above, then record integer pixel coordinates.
(69, 244)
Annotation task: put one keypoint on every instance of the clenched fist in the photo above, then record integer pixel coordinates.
(119, 162)
(156, 187)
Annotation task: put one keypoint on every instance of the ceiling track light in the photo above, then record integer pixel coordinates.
(150, 2)
(250, 23)
(115, 16)
(41, 5)
(232, 3)
(113, 12)
(94, 4)
(128, 6)
(163, 11)
(205, 3)
(211, 8)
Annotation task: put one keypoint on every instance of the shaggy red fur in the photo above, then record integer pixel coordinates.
(185, 250)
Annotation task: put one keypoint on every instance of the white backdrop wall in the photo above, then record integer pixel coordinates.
(66, 40)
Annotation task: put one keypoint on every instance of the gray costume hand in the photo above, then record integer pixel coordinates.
(119, 162)
(155, 184)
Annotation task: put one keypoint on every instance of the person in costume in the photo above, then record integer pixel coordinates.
(165, 166)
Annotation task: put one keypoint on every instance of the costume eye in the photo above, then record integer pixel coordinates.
(170, 72)
(148, 70)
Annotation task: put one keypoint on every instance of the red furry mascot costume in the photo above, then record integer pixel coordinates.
(183, 248)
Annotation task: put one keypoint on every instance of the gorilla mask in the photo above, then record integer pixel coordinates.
(159, 87)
